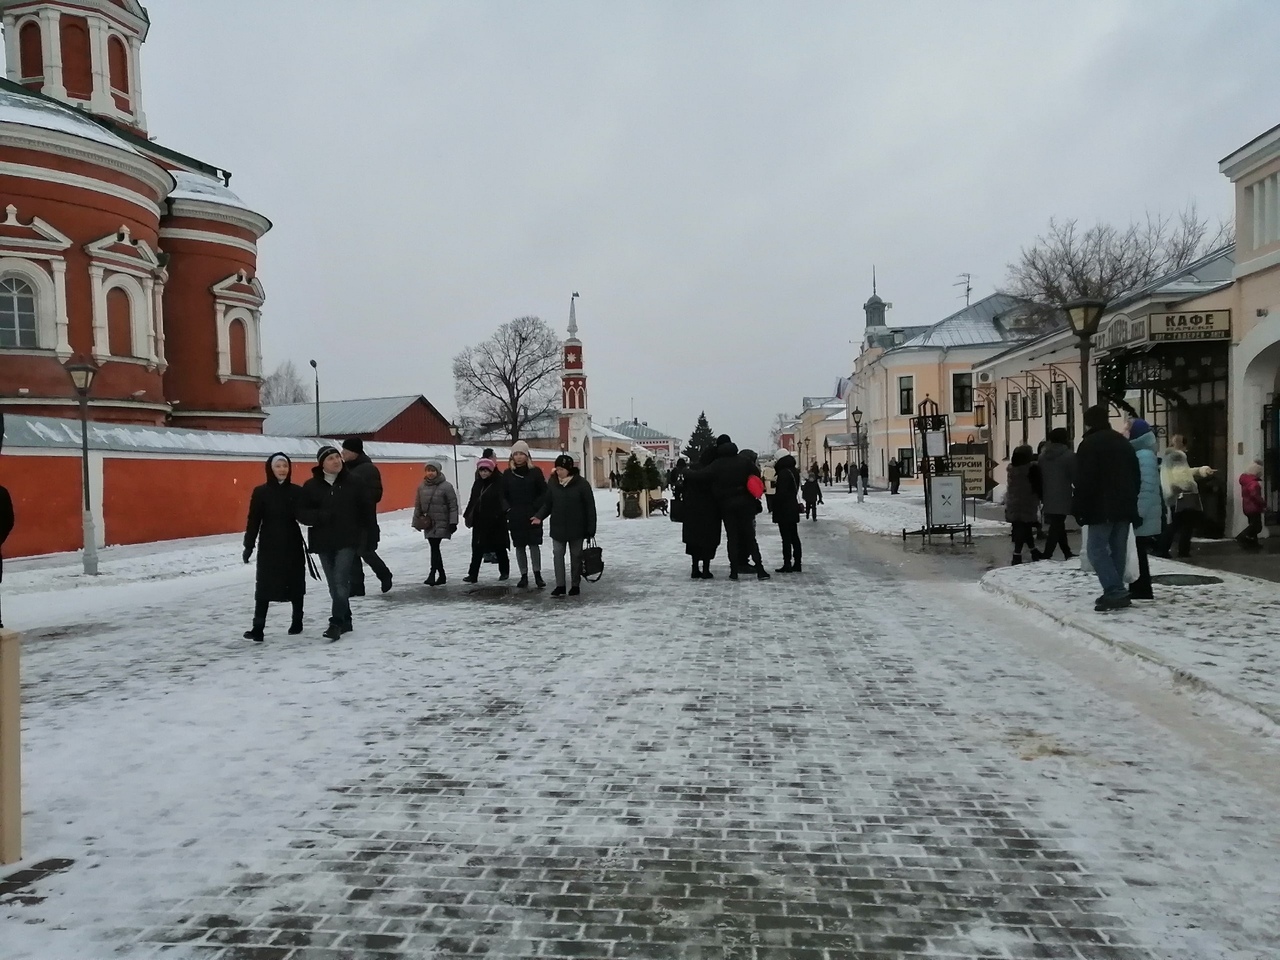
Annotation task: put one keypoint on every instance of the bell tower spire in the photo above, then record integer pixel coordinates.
(575, 419)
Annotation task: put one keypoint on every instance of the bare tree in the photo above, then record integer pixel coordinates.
(780, 421)
(284, 385)
(1103, 261)
(510, 380)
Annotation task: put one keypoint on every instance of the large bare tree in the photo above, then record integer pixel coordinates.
(1068, 262)
(510, 380)
(284, 385)
(780, 420)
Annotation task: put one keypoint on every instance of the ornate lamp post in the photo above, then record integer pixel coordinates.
(454, 432)
(857, 438)
(1084, 315)
(317, 370)
(82, 373)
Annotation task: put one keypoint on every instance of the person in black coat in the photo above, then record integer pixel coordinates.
(6, 528)
(786, 510)
(364, 470)
(486, 515)
(525, 489)
(700, 518)
(727, 475)
(1108, 481)
(571, 505)
(340, 512)
(282, 555)
(864, 475)
(812, 493)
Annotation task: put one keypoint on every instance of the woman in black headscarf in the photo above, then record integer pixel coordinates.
(700, 529)
(282, 556)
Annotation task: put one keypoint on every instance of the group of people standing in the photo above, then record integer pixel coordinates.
(338, 506)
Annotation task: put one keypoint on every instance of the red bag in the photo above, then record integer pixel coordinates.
(755, 486)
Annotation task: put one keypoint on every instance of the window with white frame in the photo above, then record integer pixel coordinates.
(906, 396)
(18, 324)
(962, 393)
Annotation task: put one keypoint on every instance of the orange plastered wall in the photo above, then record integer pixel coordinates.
(146, 500)
(46, 504)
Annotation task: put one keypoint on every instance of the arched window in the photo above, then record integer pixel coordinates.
(31, 50)
(118, 70)
(119, 323)
(238, 340)
(17, 314)
(77, 57)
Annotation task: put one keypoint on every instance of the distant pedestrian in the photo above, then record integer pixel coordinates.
(786, 510)
(812, 494)
(826, 474)
(1108, 480)
(1150, 505)
(273, 530)
(435, 513)
(864, 477)
(486, 515)
(364, 470)
(895, 476)
(700, 523)
(1252, 503)
(340, 512)
(751, 543)
(571, 504)
(839, 473)
(525, 489)
(1057, 479)
(6, 528)
(1179, 483)
(1022, 501)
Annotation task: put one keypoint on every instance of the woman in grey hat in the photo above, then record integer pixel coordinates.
(435, 513)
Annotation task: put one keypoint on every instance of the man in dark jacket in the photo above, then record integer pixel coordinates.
(571, 504)
(786, 509)
(727, 475)
(1108, 480)
(363, 469)
(340, 512)
(525, 489)
(1057, 476)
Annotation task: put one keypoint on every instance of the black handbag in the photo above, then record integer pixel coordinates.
(592, 562)
(676, 509)
(1187, 501)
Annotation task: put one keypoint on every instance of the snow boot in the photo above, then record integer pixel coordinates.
(558, 592)
(1036, 555)
(785, 568)
(574, 591)
(538, 581)
(763, 575)
(1017, 559)
(431, 579)
(797, 567)
(295, 628)
(523, 583)
(333, 632)
(471, 578)
(386, 583)
(733, 574)
(255, 635)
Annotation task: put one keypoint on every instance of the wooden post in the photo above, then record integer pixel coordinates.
(10, 750)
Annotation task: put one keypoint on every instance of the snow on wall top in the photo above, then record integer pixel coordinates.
(55, 433)
(193, 186)
(35, 112)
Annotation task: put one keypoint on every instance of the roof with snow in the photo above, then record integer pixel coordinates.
(1211, 272)
(640, 432)
(607, 433)
(194, 186)
(808, 403)
(44, 113)
(338, 417)
(996, 319)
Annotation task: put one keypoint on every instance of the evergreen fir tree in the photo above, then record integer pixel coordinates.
(703, 439)
(632, 475)
(652, 478)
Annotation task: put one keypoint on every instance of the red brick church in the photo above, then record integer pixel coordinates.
(112, 246)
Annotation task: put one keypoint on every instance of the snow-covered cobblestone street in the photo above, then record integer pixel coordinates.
(887, 515)
(875, 759)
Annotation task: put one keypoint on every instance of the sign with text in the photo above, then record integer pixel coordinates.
(946, 500)
(1206, 325)
(973, 467)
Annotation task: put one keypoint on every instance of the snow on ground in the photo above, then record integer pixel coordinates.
(1224, 635)
(887, 515)
(861, 760)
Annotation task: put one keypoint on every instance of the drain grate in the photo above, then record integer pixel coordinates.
(1185, 579)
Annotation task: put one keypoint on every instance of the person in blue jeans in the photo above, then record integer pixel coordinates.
(339, 509)
(1108, 481)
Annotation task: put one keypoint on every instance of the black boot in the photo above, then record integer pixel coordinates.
(706, 571)
(523, 582)
(695, 574)
(537, 580)
(1017, 559)
(295, 627)
(255, 632)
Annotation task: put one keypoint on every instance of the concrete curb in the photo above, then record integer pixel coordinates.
(1182, 677)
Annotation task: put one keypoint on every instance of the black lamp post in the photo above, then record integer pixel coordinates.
(82, 373)
(857, 439)
(1085, 315)
(454, 432)
(317, 370)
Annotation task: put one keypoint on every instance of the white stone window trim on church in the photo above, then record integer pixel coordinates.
(231, 305)
(50, 302)
(141, 325)
(139, 274)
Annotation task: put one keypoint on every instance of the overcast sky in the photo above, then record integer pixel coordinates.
(715, 179)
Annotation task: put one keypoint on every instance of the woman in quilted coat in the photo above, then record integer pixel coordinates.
(435, 513)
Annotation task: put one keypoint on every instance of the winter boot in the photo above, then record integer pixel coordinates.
(1036, 555)
(558, 592)
(696, 574)
(441, 579)
(537, 580)
(733, 573)
(471, 578)
(431, 579)
(255, 635)
(574, 591)
(785, 568)
(295, 626)
(763, 575)
(1017, 559)
(385, 583)
(523, 582)
(333, 632)
(797, 567)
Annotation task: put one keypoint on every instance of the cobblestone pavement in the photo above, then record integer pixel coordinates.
(871, 760)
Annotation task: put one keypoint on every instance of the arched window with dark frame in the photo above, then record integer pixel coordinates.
(118, 71)
(31, 51)
(119, 323)
(238, 343)
(18, 314)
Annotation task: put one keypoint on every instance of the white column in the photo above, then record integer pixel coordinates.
(224, 343)
(52, 36)
(149, 318)
(101, 100)
(256, 369)
(101, 338)
(61, 324)
(135, 81)
(157, 312)
(12, 51)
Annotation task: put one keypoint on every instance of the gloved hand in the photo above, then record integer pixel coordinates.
(248, 552)
(453, 528)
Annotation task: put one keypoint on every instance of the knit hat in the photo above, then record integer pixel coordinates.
(564, 460)
(325, 453)
(486, 464)
(723, 439)
(1138, 428)
(520, 447)
(487, 452)
(1097, 417)
(434, 464)
(782, 452)
(354, 444)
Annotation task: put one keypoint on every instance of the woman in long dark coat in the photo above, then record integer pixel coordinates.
(486, 515)
(282, 555)
(700, 530)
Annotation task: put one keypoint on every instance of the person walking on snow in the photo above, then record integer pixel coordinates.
(486, 515)
(1057, 480)
(525, 489)
(1108, 480)
(700, 523)
(826, 473)
(864, 475)
(1150, 505)
(812, 493)
(839, 473)
(1022, 501)
(571, 504)
(435, 513)
(282, 554)
(1179, 483)
(363, 469)
(1252, 503)
(895, 477)
(786, 510)
(340, 512)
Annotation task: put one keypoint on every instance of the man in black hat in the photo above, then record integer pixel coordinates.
(338, 509)
(363, 469)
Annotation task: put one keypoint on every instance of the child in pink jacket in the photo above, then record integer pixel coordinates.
(1252, 503)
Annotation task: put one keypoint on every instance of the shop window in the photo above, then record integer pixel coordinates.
(907, 461)
(906, 396)
(119, 323)
(77, 58)
(17, 314)
(31, 51)
(237, 338)
(962, 393)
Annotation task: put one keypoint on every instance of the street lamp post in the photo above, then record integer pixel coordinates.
(82, 373)
(1084, 315)
(857, 438)
(454, 432)
(317, 370)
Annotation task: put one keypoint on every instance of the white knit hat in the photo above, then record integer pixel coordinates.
(782, 452)
(520, 447)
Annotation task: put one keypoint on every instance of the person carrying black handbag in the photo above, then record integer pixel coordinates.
(571, 505)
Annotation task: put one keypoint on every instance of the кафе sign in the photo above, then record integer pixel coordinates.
(1163, 327)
